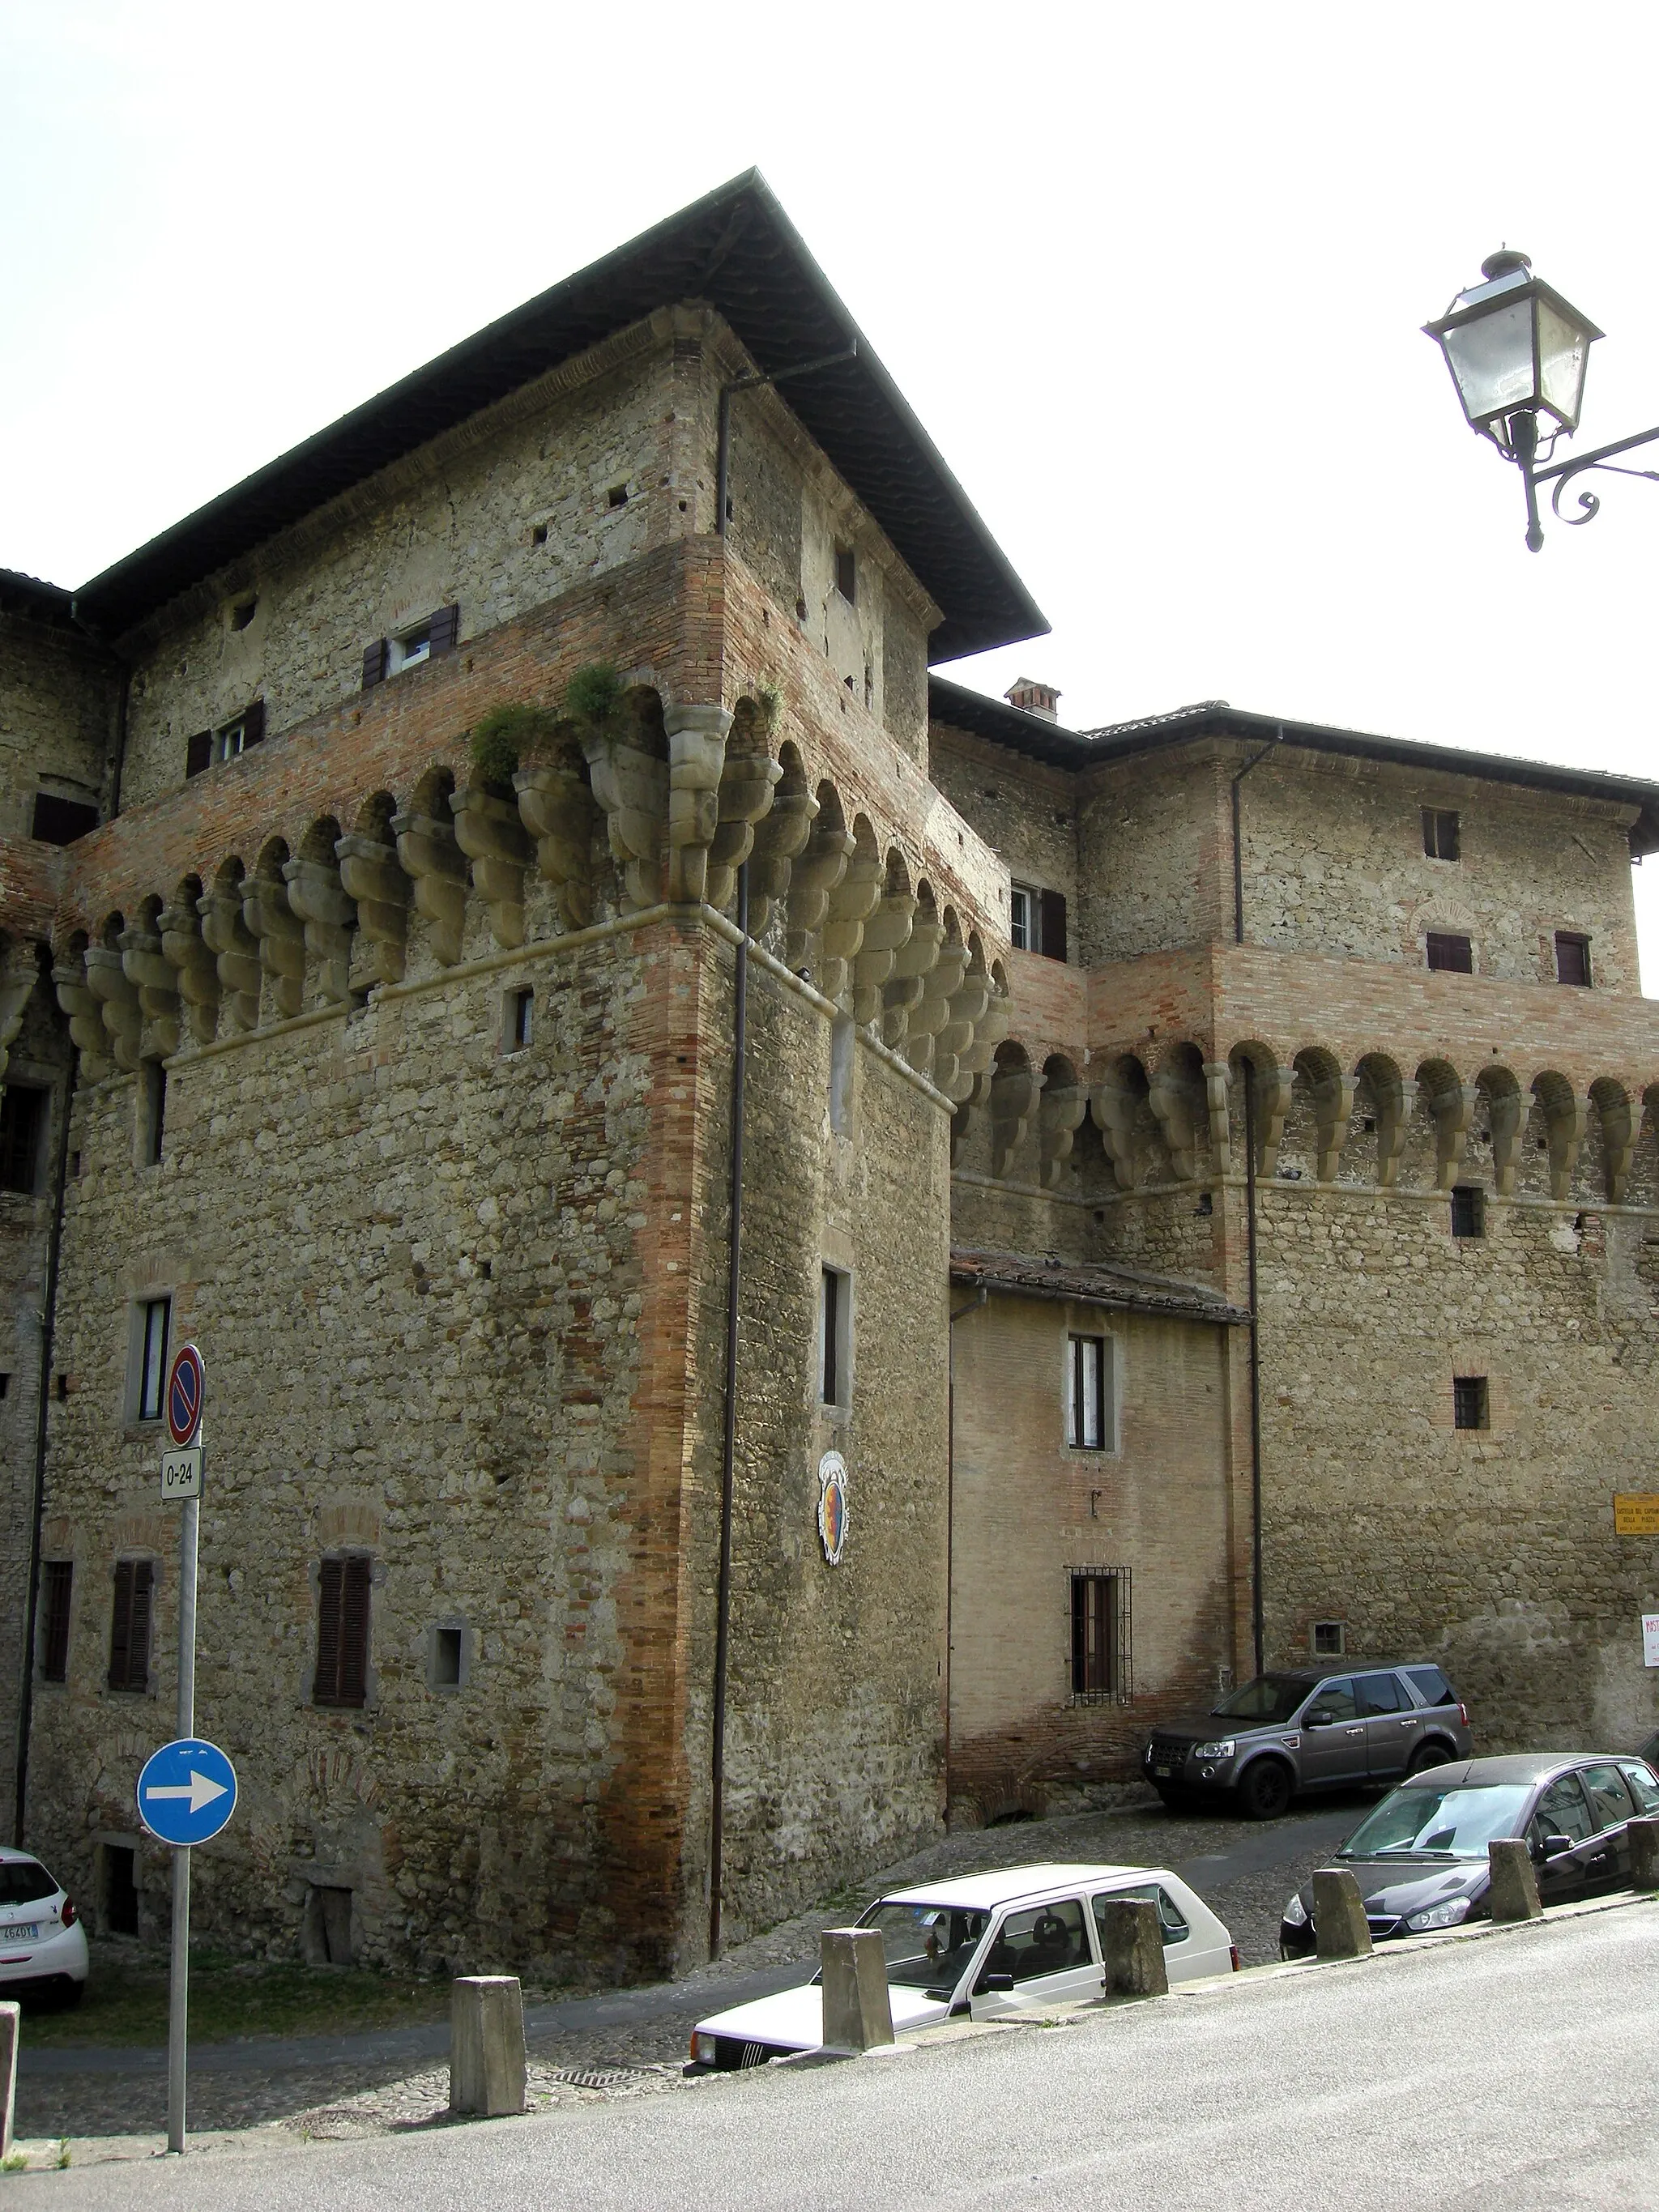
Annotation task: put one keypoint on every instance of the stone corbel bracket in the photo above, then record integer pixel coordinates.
(1564, 1124)
(1217, 1076)
(236, 951)
(696, 757)
(906, 988)
(1273, 1088)
(281, 939)
(854, 899)
(153, 976)
(1618, 1133)
(929, 1020)
(436, 866)
(557, 809)
(990, 1025)
(781, 836)
(375, 882)
(1454, 1111)
(886, 930)
(1116, 1109)
(813, 880)
(85, 1017)
(191, 958)
(1175, 1106)
(1014, 1093)
(632, 787)
(1504, 1112)
(1333, 1105)
(747, 783)
(489, 830)
(966, 1008)
(1396, 1101)
(1058, 1122)
(117, 1002)
(329, 915)
(19, 973)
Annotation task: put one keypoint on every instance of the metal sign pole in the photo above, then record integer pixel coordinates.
(178, 1992)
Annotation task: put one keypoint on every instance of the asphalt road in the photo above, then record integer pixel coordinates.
(1514, 2071)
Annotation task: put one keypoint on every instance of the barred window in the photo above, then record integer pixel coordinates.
(1100, 1634)
(1469, 1401)
(342, 1677)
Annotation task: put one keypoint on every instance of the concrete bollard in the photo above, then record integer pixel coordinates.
(1514, 1892)
(11, 2028)
(1643, 1833)
(858, 2014)
(1339, 1923)
(1132, 1946)
(486, 2044)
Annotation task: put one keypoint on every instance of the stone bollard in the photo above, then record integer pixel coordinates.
(1339, 1923)
(486, 2044)
(1643, 1833)
(11, 2026)
(858, 2014)
(1514, 1892)
(1132, 1945)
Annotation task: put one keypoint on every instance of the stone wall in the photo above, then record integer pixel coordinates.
(59, 695)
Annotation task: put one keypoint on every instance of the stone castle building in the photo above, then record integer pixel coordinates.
(1196, 1188)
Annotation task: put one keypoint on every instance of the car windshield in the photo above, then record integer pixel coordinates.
(1270, 1698)
(928, 1946)
(1457, 1822)
(25, 1882)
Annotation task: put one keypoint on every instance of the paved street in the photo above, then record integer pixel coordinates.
(1515, 2069)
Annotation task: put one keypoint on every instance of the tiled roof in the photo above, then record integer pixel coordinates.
(1131, 1288)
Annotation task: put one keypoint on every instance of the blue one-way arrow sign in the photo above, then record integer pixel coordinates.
(188, 1791)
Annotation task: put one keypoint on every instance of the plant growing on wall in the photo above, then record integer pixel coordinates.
(768, 705)
(594, 695)
(508, 737)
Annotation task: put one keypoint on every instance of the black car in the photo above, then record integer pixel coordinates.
(1420, 1856)
(1311, 1728)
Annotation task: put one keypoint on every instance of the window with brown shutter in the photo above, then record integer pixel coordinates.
(253, 724)
(198, 752)
(343, 1588)
(1572, 958)
(129, 1633)
(445, 632)
(1454, 956)
(57, 1580)
(374, 663)
(1052, 945)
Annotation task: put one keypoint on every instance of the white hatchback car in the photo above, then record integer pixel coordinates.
(42, 1943)
(985, 1945)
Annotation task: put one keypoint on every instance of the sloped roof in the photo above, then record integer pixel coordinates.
(736, 249)
(1129, 1289)
(1039, 738)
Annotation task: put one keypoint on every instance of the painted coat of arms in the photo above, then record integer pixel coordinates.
(832, 1505)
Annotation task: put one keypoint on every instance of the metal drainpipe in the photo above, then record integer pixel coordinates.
(122, 708)
(1257, 1630)
(961, 1314)
(728, 1440)
(48, 1329)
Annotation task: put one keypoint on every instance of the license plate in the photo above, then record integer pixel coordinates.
(26, 1934)
(1161, 1769)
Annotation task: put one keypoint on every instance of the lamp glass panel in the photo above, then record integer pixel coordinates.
(1491, 359)
(1563, 355)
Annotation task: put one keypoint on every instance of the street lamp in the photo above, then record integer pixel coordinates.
(1517, 352)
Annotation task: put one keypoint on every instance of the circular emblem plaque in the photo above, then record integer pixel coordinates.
(832, 1505)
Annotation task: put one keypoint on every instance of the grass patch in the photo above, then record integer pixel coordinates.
(127, 2001)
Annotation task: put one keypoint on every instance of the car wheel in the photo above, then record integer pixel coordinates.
(1427, 1755)
(1265, 1789)
(1174, 1799)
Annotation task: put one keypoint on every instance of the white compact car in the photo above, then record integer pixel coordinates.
(42, 1943)
(985, 1945)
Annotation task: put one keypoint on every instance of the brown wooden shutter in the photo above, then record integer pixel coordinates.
(325, 1688)
(143, 1580)
(354, 1633)
(198, 752)
(446, 630)
(1053, 926)
(58, 1576)
(375, 661)
(120, 1626)
(253, 724)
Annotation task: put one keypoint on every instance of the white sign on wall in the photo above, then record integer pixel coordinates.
(1650, 1639)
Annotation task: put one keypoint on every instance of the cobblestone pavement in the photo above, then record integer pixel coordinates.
(626, 2044)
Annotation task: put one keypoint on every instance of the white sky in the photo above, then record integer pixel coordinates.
(1153, 277)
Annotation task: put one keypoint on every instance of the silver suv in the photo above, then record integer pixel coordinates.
(1311, 1728)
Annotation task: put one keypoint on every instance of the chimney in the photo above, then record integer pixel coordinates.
(1035, 698)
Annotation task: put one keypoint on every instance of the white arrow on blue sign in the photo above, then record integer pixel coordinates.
(188, 1791)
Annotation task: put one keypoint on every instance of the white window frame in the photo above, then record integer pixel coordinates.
(227, 741)
(149, 1362)
(1075, 1340)
(411, 647)
(519, 1019)
(1026, 917)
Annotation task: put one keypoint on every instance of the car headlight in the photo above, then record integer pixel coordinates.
(703, 2048)
(1224, 1749)
(1440, 1916)
(1296, 1912)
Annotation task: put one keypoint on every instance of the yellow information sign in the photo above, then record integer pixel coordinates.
(1635, 1513)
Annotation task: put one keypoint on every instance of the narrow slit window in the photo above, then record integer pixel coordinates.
(1100, 1633)
(155, 1317)
(1468, 1211)
(21, 1113)
(847, 575)
(834, 1303)
(153, 1107)
(1440, 838)
(446, 1658)
(342, 1608)
(130, 1618)
(1086, 1395)
(1469, 1408)
(57, 1584)
(1572, 963)
(1452, 955)
(520, 1017)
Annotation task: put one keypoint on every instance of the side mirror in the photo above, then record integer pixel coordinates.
(1319, 1718)
(1554, 1845)
(994, 1985)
